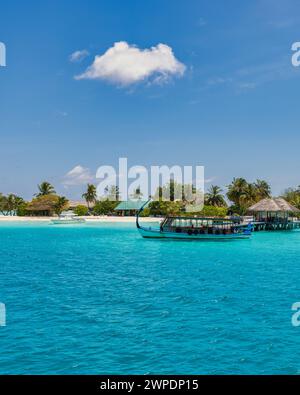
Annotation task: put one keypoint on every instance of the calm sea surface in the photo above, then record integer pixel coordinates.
(100, 299)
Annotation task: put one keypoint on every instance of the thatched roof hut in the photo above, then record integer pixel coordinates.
(275, 210)
(273, 205)
(42, 205)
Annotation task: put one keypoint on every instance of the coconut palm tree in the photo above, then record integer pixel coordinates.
(3, 204)
(45, 188)
(251, 196)
(263, 189)
(292, 196)
(214, 197)
(13, 202)
(61, 204)
(90, 195)
(237, 191)
(9, 204)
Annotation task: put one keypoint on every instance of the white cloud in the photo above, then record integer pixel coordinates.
(78, 176)
(125, 64)
(78, 56)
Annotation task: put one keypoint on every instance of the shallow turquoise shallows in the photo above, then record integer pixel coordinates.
(100, 299)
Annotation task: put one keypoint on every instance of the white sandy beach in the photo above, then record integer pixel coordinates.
(110, 219)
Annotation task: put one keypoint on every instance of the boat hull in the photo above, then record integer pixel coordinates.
(158, 234)
(67, 221)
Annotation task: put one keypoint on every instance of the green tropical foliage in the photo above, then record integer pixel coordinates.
(112, 193)
(61, 205)
(263, 189)
(44, 205)
(22, 210)
(292, 195)
(10, 204)
(243, 194)
(173, 191)
(214, 197)
(213, 211)
(104, 207)
(162, 208)
(90, 195)
(81, 210)
(45, 188)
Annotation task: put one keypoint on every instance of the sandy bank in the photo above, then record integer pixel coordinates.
(88, 219)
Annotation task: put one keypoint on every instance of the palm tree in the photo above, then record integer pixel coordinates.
(112, 193)
(13, 202)
(250, 197)
(45, 188)
(137, 194)
(237, 191)
(3, 204)
(263, 189)
(293, 196)
(90, 195)
(60, 205)
(214, 197)
(9, 204)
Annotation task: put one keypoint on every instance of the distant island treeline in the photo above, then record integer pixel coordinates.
(239, 196)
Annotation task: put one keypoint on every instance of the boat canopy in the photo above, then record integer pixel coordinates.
(197, 222)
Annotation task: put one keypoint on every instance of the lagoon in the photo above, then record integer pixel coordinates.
(97, 298)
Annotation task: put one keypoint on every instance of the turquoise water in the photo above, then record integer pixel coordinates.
(100, 299)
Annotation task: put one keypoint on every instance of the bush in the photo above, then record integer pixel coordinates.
(81, 210)
(145, 212)
(237, 210)
(104, 207)
(162, 208)
(177, 208)
(212, 211)
(22, 210)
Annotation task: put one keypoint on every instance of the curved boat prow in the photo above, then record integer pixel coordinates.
(139, 212)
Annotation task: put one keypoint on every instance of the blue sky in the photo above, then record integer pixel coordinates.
(234, 109)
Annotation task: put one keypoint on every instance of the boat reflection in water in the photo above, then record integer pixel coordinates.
(195, 228)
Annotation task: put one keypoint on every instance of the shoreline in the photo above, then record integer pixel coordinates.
(110, 219)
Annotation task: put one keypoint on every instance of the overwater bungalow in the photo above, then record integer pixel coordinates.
(274, 214)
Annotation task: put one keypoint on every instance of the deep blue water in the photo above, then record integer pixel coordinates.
(100, 299)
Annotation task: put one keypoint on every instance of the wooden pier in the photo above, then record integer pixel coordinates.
(274, 214)
(273, 226)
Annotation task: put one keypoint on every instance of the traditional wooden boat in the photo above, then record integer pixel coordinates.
(195, 228)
